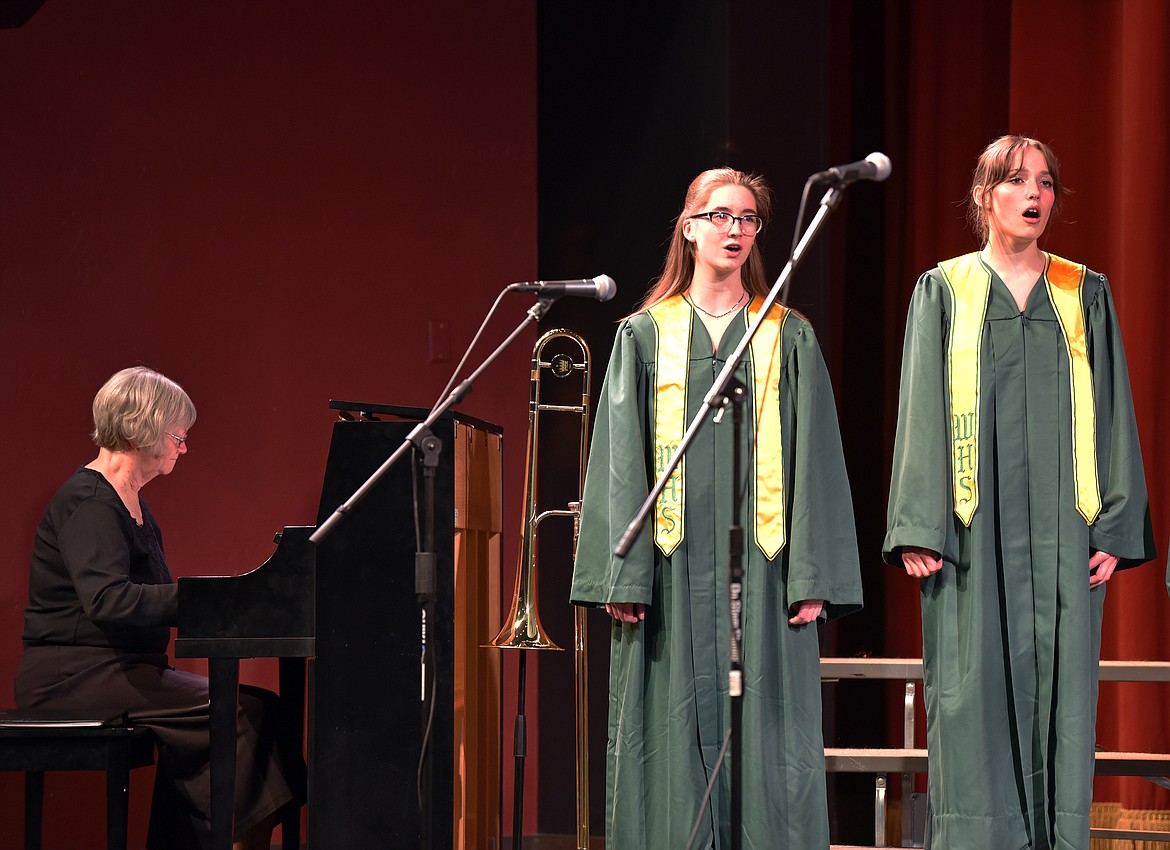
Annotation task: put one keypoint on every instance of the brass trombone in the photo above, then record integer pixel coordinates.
(522, 628)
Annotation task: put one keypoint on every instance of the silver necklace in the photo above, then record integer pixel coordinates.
(734, 307)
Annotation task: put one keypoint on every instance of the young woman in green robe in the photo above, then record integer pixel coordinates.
(669, 662)
(1017, 493)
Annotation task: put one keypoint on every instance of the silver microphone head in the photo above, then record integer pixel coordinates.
(606, 288)
(881, 164)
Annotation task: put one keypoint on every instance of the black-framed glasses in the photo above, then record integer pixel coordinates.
(749, 224)
(181, 441)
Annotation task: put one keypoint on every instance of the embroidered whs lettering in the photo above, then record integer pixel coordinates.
(963, 441)
(969, 283)
(1065, 282)
(669, 519)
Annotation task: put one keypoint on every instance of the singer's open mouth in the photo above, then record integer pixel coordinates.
(1031, 212)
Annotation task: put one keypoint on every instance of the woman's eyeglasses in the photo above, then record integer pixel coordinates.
(749, 225)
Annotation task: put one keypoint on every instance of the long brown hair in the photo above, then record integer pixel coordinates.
(679, 267)
(998, 162)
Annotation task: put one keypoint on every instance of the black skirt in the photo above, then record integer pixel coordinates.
(270, 772)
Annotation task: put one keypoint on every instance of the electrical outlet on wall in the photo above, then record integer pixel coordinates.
(439, 340)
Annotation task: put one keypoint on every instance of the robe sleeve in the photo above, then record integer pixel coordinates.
(921, 502)
(616, 485)
(822, 543)
(1123, 527)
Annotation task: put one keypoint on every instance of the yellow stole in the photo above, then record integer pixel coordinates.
(767, 370)
(969, 282)
(1066, 280)
(673, 319)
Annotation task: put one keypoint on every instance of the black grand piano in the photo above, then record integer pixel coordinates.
(344, 620)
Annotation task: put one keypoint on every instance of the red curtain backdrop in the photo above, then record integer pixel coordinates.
(276, 204)
(1091, 78)
(270, 202)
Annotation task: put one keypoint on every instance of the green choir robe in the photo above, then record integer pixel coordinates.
(1011, 630)
(668, 701)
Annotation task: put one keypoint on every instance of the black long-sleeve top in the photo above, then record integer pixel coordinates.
(97, 577)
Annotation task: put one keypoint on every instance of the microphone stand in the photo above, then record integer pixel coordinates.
(425, 586)
(534, 315)
(778, 292)
(425, 561)
(737, 397)
(716, 398)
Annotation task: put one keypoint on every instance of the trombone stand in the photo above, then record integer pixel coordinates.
(519, 750)
(716, 398)
(522, 629)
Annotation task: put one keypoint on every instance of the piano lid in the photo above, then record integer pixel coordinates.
(414, 414)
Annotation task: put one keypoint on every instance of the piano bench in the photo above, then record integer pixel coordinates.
(35, 745)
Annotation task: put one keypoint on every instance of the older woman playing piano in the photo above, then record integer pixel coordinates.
(101, 604)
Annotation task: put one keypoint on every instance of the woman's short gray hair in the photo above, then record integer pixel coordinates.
(134, 409)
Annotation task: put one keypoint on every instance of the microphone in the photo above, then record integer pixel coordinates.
(876, 167)
(601, 287)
